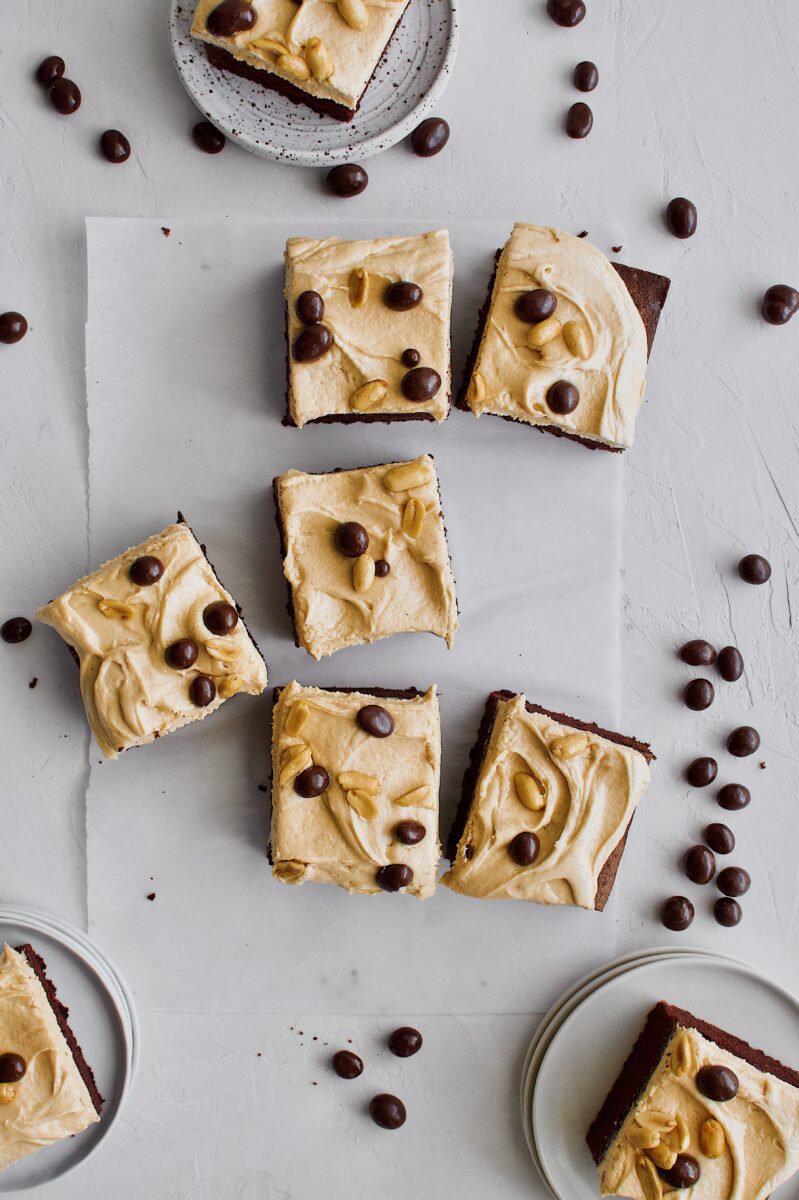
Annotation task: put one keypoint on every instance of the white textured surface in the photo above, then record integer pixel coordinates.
(694, 99)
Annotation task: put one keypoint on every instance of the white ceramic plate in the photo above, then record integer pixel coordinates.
(561, 1010)
(590, 1046)
(103, 1020)
(404, 90)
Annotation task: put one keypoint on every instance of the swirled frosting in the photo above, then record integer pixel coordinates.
(51, 1101)
(368, 340)
(418, 594)
(354, 53)
(324, 838)
(587, 802)
(511, 379)
(760, 1124)
(120, 632)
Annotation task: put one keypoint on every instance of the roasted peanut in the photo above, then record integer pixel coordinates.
(531, 790)
(575, 339)
(294, 65)
(298, 715)
(662, 1156)
(683, 1054)
(364, 804)
(406, 476)
(115, 609)
(295, 759)
(363, 573)
(350, 781)
(413, 517)
(354, 13)
(543, 332)
(648, 1178)
(289, 870)
(712, 1139)
(358, 287)
(369, 395)
(319, 60)
(415, 798)
(570, 745)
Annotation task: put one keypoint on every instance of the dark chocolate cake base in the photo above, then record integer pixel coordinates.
(61, 1013)
(477, 754)
(224, 61)
(661, 1024)
(379, 693)
(648, 292)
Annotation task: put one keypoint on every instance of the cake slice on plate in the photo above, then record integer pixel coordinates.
(355, 784)
(563, 339)
(695, 1107)
(320, 53)
(47, 1089)
(546, 806)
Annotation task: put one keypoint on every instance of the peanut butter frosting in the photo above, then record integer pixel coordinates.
(346, 834)
(341, 601)
(751, 1151)
(368, 336)
(328, 48)
(121, 631)
(575, 791)
(598, 345)
(50, 1101)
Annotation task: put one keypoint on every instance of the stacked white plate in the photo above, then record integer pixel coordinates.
(582, 1042)
(103, 1019)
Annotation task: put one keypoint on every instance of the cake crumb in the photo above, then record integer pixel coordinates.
(583, 234)
(262, 787)
(33, 682)
(166, 231)
(617, 249)
(151, 895)
(762, 766)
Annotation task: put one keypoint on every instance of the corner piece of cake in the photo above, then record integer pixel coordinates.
(355, 786)
(159, 641)
(695, 1107)
(368, 329)
(47, 1089)
(546, 806)
(320, 53)
(365, 555)
(563, 339)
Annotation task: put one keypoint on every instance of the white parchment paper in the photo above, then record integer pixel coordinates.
(186, 387)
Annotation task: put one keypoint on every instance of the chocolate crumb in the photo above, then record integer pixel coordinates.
(262, 787)
(35, 680)
(166, 231)
(617, 249)
(761, 765)
(583, 234)
(151, 895)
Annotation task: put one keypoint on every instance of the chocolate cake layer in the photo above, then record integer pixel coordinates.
(661, 1024)
(61, 1013)
(648, 292)
(477, 754)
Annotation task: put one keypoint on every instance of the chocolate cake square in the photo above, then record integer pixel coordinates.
(355, 785)
(320, 53)
(369, 329)
(563, 339)
(546, 805)
(365, 555)
(695, 1107)
(158, 639)
(47, 1089)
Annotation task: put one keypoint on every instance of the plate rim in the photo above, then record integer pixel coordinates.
(109, 978)
(580, 995)
(369, 146)
(738, 965)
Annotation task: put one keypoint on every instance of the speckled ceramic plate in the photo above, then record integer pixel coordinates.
(103, 1020)
(404, 90)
